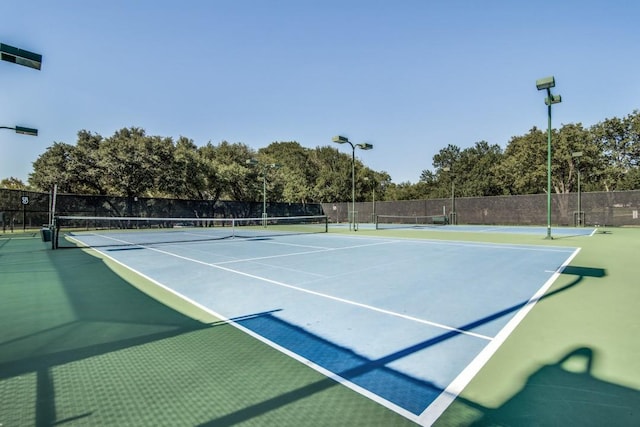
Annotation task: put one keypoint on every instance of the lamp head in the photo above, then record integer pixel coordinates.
(546, 83)
(553, 99)
(26, 131)
(251, 162)
(364, 146)
(20, 56)
(340, 139)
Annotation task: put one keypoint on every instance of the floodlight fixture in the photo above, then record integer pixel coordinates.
(22, 130)
(364, 146)
(553, 99)
(340, 139)
(20, 56)
(546, 83)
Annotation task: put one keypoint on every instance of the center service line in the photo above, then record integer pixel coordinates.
(330, 297)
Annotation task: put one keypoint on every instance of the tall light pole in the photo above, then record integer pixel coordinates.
(546, 84)
(265, 168)
(577, 155)
(363, 146)
(452, 214)
(373, 198)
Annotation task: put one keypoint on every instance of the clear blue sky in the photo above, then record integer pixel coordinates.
(409, 76)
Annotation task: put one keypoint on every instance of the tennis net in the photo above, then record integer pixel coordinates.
(73, 231)
(409, 221)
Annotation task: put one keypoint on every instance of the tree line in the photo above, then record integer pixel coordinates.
(131, 163)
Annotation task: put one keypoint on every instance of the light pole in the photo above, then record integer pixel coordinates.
(265, 167)
(546, 84)
(452, 214)
(577, 155)
(363, 146)
(373, 198)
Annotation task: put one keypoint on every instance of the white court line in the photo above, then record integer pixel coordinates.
(431, 413)
(442, 402)
(295, 244)
(327, 373)
(315, 293)
(319, 250)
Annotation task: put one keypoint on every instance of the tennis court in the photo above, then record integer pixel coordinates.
(404, 322)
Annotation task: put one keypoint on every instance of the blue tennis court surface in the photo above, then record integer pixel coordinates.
(506, 229)
(404, 322)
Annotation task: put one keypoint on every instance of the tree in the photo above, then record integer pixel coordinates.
(85, 172)
(129, 163)
(297, 173)
(475, 172)
(374, 184)
(13, 184)
(447, 157)
(618, 141)
(51, 168)
(228, 175)
(523, 169)
(573, 138)
(407, 191)
(334, 175)
(188, 174)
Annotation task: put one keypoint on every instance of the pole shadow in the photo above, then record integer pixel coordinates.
(565, 393)
(364, 372)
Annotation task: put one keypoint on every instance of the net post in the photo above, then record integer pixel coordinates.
(453, 218)
(353, 221)
(54, 232)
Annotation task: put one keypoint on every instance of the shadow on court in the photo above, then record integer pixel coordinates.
(69, 310)
(373, 375)
(565, 393)
(79, 344)
(75, 308)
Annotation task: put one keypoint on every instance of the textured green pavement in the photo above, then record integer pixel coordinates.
(80, 346)
(85, 342)
(575, 359)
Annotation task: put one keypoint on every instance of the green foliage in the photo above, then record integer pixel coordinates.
(618, 143)
(13, 184)
(131, 163)
(55, 166)
(523, 169)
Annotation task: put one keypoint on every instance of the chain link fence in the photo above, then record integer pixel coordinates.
(21, 210)
(618, 208)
